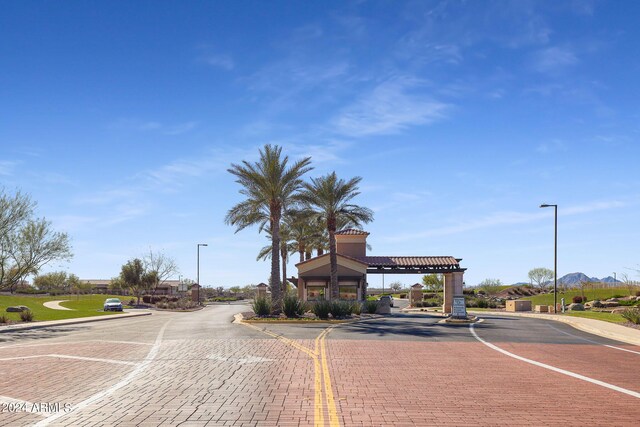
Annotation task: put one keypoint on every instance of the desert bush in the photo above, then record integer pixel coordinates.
(261, 306)
(340, 309)
(632, 315)
(321, 309)
(292, 306)
(370, 306)
(26, 316)
(482, 303)
(577, 299)
(357, 308)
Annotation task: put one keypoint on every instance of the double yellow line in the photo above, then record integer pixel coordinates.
(322, 378)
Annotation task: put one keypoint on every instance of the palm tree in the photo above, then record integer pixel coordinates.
(286, 247)
(270, 186)
(329, 197)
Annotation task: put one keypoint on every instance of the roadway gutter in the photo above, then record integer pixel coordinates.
(65, 322)
(592, 326)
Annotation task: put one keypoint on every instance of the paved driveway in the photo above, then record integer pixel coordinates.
(199, 369)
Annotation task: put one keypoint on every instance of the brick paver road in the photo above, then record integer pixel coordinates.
(199, 369)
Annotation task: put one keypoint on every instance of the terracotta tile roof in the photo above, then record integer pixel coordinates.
(352, 232)
(411, 261)
(326, 255)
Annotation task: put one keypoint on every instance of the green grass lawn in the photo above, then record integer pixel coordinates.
(590, 294)
(598, 315)
(83, 306)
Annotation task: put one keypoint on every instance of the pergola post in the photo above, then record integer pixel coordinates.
(453, 284)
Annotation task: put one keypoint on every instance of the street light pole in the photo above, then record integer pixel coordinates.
(198, 273)
(555, 256)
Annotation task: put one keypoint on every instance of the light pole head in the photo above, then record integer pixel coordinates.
(544, 205)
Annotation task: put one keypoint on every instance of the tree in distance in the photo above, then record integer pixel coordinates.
(329, 197)
(540, 276)
(26, 243)
(491, 286)
(269, 186)
(158, 268)
(396, 286)
(133, 277)
(433, 282)
(57, 282)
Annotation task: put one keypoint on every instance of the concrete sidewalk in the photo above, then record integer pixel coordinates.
(65, 322)
(592, 326)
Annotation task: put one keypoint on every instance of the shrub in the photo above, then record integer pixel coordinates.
(428, 295)
(403, 296)
(418, 304)
(261, 306)
(638, 293)
(340, 309)
(132, 302)
(292, 306)
(370, 306)
(577, 299)
(26, 316)
(632, 315)
(321, 309)
(146, 299)
(357, 308)
(433, 302)
(4, 319)
(483, 303)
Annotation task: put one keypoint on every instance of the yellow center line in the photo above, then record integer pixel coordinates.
(319, 367)
(331, 403)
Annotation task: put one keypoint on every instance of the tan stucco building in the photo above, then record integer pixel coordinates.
(354, 265)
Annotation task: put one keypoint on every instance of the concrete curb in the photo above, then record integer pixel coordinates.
(239, 318)
(592, 326)
(65, 322)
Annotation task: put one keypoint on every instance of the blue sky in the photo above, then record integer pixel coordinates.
(121, 118)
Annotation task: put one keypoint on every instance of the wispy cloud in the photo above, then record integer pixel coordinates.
(552, 59)
(390, 107)
(153, 126)
(7, 167)
(508, 218)
(224, 62)
(552, 146)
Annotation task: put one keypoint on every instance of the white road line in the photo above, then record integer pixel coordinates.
(67, 356)
(553, 368)
(594, 342)
(73, 342)
(122, 383)
(92, 359)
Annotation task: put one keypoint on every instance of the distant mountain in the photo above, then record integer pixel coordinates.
(573, 279)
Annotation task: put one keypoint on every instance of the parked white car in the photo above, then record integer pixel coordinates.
(112, 304)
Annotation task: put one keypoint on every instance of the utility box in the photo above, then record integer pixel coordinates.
(542, 309)
(518, 305)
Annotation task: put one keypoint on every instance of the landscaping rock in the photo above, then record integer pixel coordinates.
(637, 298)
(610, 304)
(17, 309)
(597, 304)
(613, 300)
(576, 307)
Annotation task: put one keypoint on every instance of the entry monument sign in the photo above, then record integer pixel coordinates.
(459, 308)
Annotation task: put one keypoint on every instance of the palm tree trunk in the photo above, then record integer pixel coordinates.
(276, 288)
(284, 271)
(333, 259)
(301, 252)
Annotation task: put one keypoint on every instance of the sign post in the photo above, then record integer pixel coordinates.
(459, 308)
